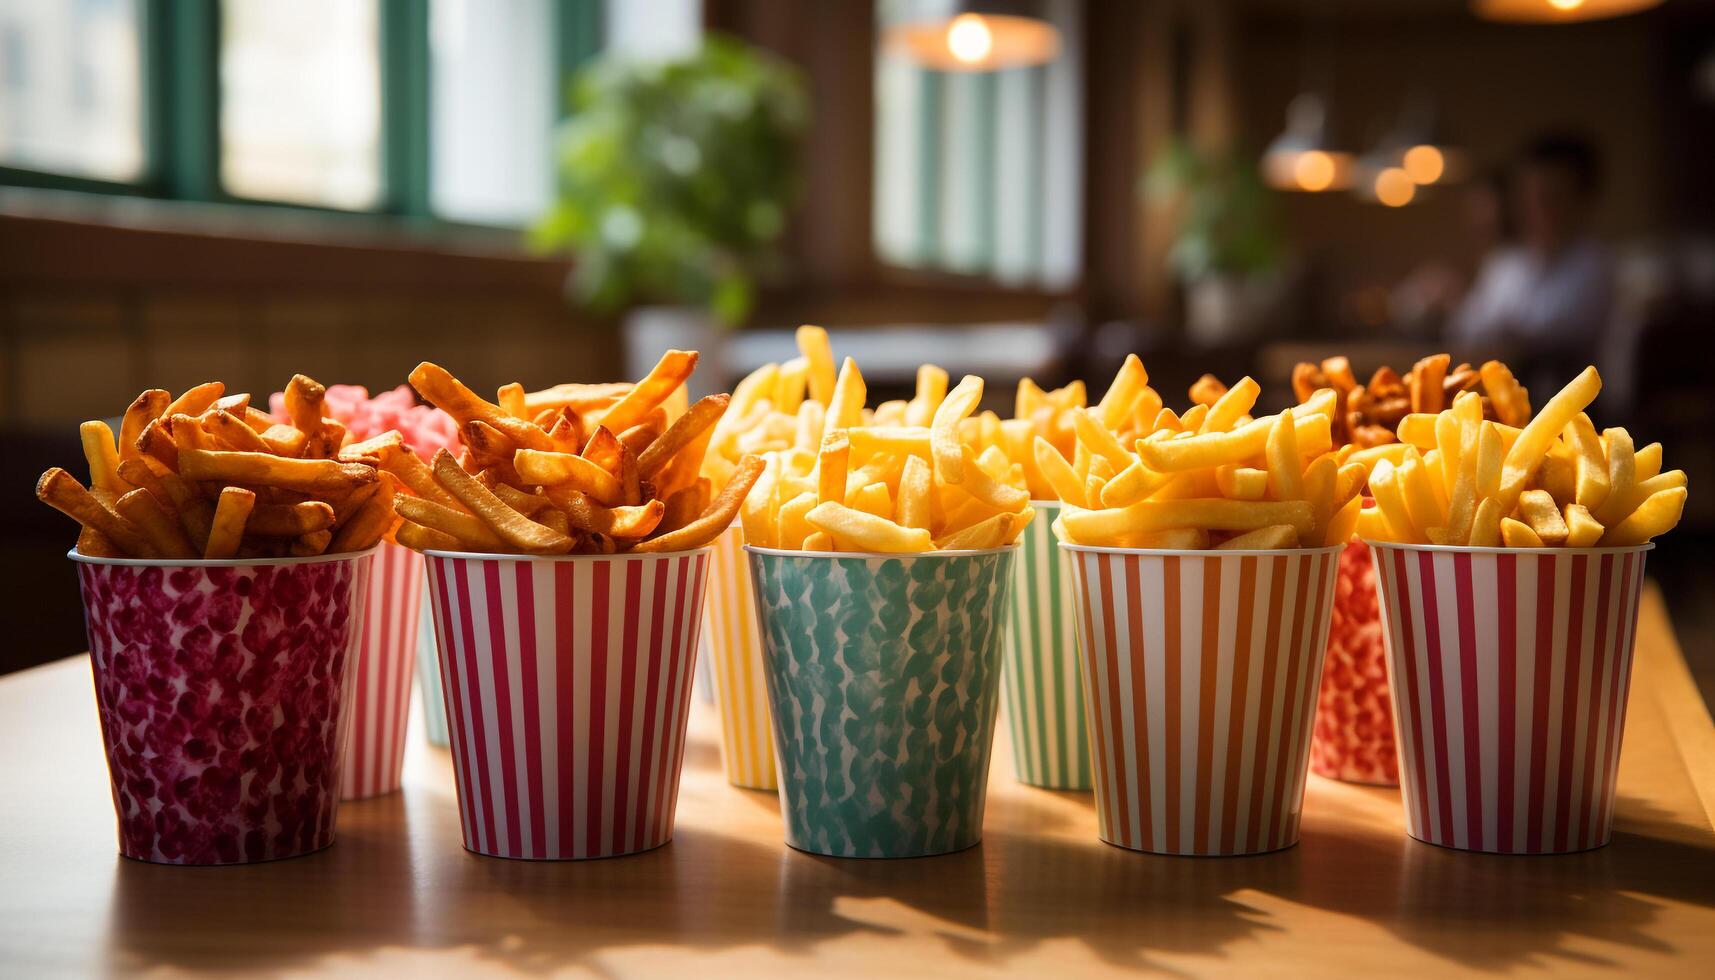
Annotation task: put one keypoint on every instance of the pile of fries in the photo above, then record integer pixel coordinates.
(1367, 414)
(1212, 478)
(775, 408)
(911, 476)
(588, 469)
(1463, 479)
(208, 475)
(1129, 409)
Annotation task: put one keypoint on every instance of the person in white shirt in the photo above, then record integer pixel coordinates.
(1548, 299)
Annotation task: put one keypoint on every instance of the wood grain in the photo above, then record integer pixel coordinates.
(396, 895)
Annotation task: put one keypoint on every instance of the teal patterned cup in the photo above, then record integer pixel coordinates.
(883, 676)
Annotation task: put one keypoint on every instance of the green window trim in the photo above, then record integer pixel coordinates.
(180, 42)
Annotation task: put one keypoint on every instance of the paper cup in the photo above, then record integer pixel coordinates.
(429, 679)
(223, 689)
(1044, 685)
(567, 681)
(1509, 671)
(883, 676)
(381, 695)
(741, 693)
(1353, 739)
(1200, 671)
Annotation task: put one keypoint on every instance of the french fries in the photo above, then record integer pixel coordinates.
(204, 475)
(1381, 410)
(782, 406)
(1549, 481)
(906, 477)
(1144, 476)
(593, 469)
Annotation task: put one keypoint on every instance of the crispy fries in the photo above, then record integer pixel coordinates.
(1553, 482)
(199, 477)
(593, 469)
(1369, 414)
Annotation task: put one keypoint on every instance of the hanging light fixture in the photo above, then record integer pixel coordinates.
(1301, 158)
(1557, 11)
(974, 35)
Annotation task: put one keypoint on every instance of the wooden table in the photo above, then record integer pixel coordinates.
(1040, 896)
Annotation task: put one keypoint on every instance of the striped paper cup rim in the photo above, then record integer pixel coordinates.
(78, 556)
(1203, 552)
(1459, 549)
(973, 553)
(553, 559)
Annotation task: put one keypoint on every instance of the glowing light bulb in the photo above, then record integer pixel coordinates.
(1314, 170)
(1566, 4)
(1424, 164)
(969, 38)
(1394, 187)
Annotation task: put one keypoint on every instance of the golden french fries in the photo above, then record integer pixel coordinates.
(1549, 482)
(205, 475)
(910, 476)
(1145, 476)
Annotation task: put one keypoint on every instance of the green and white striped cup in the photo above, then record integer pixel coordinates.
(1044, 685)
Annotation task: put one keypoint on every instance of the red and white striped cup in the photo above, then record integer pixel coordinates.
(567, 683)
(1200, 678)
(381, 693)
(1509, 671)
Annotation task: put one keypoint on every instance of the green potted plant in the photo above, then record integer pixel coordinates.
(1226, 247)
(674, 183)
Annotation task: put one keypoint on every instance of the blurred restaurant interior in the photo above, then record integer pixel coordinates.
(244, 189)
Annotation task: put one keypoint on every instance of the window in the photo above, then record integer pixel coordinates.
(492, 109)
(70, 87)
(981, 173)
(300, 102)
(429, 108)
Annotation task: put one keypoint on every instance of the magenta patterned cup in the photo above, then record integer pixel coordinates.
(223, 689)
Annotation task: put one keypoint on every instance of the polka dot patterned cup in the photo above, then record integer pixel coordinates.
(223, 689)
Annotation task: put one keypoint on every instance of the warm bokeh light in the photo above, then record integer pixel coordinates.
(1424, 164)
(1314, 170)
(1557, 11)
(975, 42)
(969, 39)
(1394, 187)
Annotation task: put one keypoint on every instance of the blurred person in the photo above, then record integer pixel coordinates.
(1424, 300)
(1549, 299)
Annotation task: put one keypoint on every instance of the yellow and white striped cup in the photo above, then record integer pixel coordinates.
(741, 692)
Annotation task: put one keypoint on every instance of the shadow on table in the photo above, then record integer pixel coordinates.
(382, 890)
(1494, 912)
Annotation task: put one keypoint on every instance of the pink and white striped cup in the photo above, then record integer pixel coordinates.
(381, 691)
(1509, 670)
(567, 683)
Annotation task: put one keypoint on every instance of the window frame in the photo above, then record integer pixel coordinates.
(180, 42)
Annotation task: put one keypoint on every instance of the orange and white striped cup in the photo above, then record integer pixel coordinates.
(741, 690)
(381, 691)
(1200, 678)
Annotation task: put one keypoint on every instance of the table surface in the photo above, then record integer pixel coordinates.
(398, 895)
